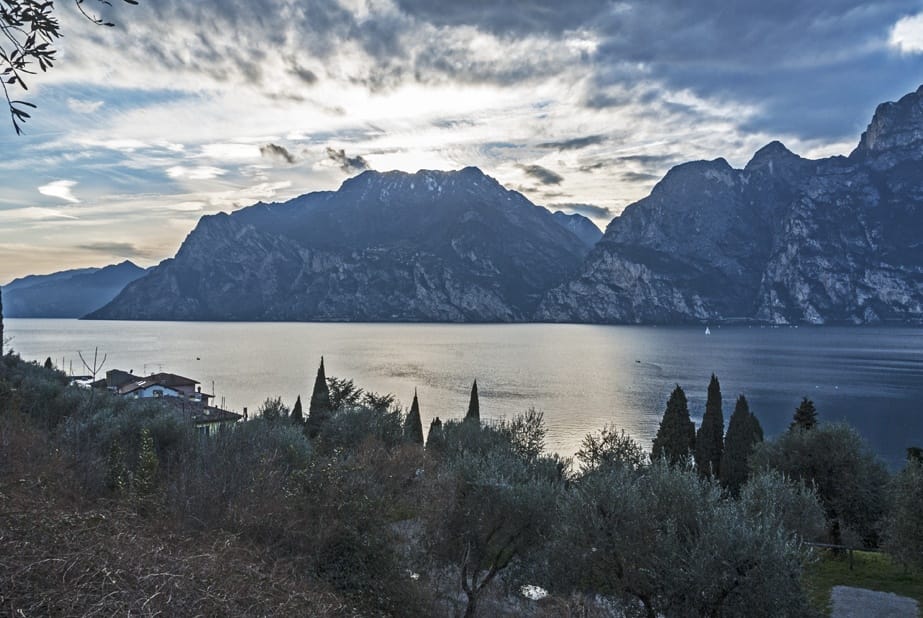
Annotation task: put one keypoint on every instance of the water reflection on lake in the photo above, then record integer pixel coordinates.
(582, 377)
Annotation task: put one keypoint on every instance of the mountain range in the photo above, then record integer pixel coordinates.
(431, 246)
(784, 240)
(67, 294)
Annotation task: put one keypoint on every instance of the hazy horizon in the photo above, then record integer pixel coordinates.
(183, 110)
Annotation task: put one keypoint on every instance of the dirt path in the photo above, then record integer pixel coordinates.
(860, 603)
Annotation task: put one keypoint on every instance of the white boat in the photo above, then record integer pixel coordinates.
(707, 331)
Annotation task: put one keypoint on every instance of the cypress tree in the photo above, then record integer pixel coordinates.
(319, 409)
(675, 439)
(709, 441)
(744, 431)
(48, 363)
(413, 425)
(297, 415)
(474, 406)
(435, 439)
(805, 416)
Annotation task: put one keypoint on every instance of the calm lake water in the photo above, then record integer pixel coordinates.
(581, 377)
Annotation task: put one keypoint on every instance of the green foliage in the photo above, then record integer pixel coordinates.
(343, 393)
(667, 543)
(709, 441)
(144, 482)
(474, 405)
(377, 401)
(116, 471)
(48, 364)
(499, 509)
(915, 453)
(273, 410)
(29, 29)
(413, 424)
(793, 505)
(348, 428)
(805, 416)
(525, 433)
(610, 447)
(233, 477)
(904, 528)
(744, 432)
(850, 480)
(861, 569)
(675, 440)
(297, 416)
(320, 407)
(435, 437)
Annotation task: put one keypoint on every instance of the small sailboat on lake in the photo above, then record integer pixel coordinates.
(707, 331)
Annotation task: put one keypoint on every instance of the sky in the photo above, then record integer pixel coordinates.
(190, 108)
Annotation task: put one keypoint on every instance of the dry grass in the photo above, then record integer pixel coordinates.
(61, 555)
(63, 561)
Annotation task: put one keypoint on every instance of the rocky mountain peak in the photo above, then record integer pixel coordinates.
(422, 182)
(770, 154)
(896, 128)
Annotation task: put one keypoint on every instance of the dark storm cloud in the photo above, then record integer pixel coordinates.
(587, 210)
(542, 174)
(274, 151)
(814, 69)
(574, 144)
(349, 165)
(510, 17)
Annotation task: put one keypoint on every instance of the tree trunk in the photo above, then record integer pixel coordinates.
(472, 608)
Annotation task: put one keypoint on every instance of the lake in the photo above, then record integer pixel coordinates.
(581, 377)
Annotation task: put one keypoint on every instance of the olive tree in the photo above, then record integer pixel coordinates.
(850, 480)
(904, 529)
(668, 543)
(29, 30)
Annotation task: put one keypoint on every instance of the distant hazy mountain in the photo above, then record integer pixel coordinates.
(784, 240)
(430, 246)
(67, 294)
(581, 226)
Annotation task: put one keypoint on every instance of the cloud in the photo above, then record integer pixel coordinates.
(575, 143)
(907, 34)
(83, 107)
(349, 165)
(120, 249)
(542, 174)
(505, 18)
(35, 213)
(280, 153)
(201, 172)
(588, 210)
(639, 177)
(61, 189)
(307, 76)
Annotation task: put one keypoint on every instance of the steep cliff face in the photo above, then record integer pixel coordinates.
(784, 240)
(430, 246)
